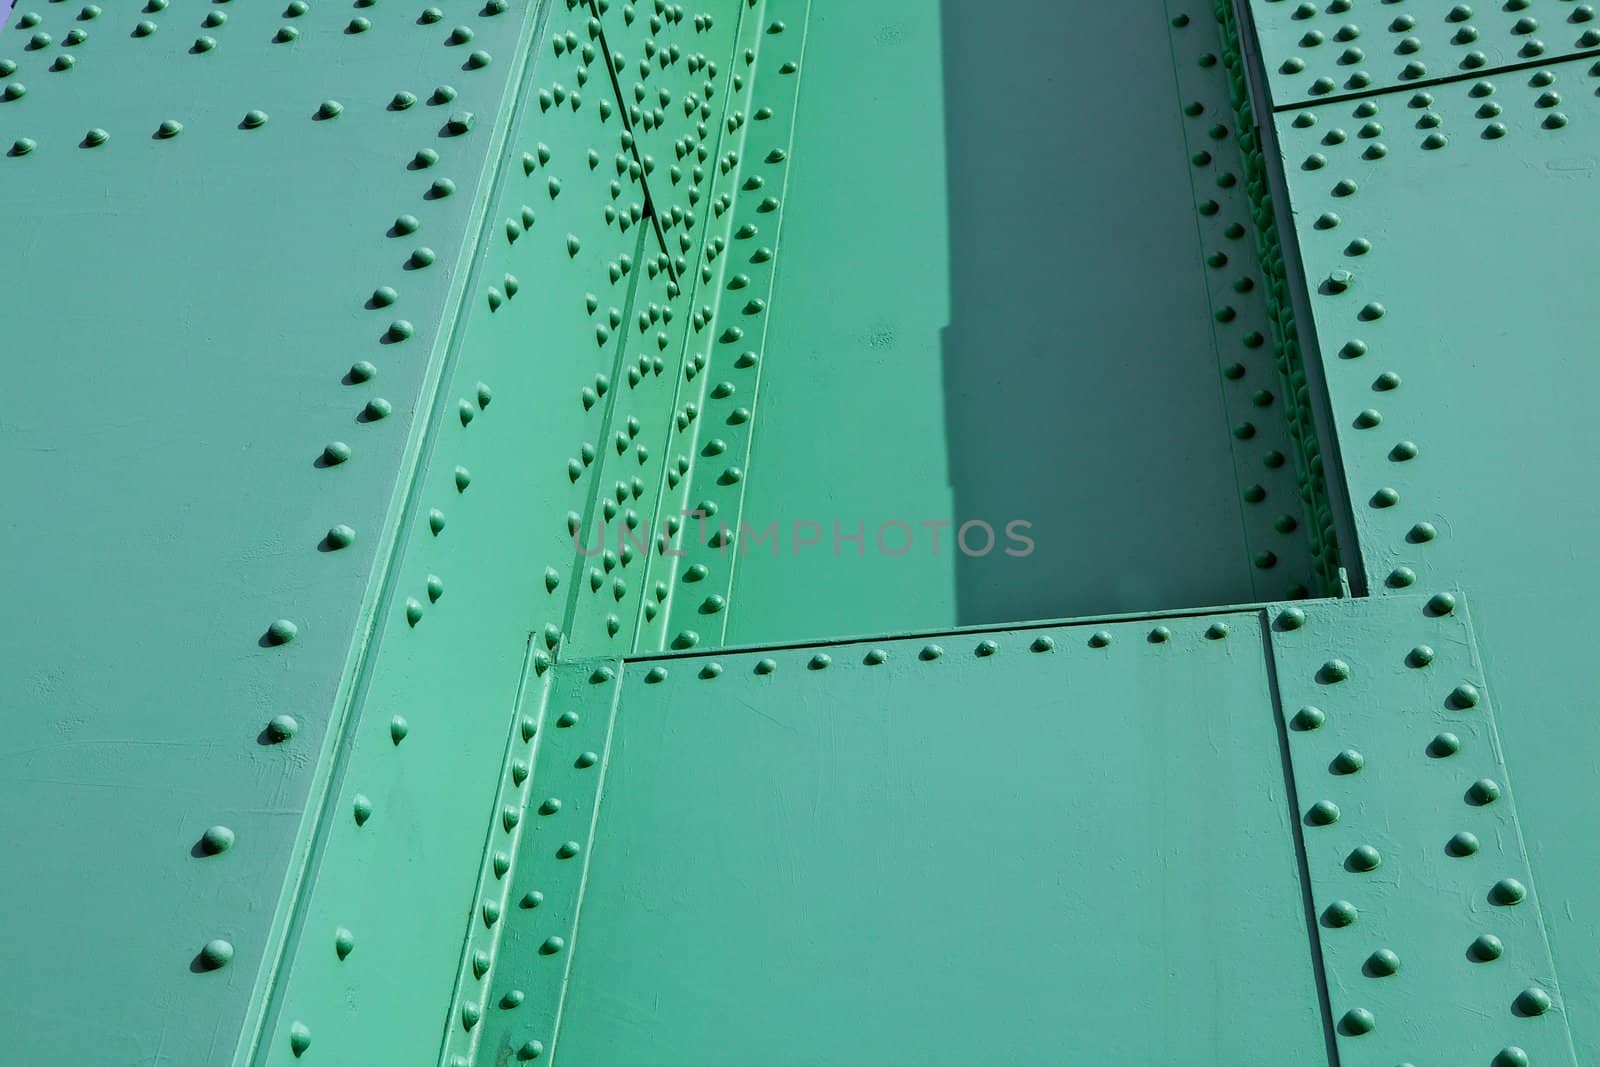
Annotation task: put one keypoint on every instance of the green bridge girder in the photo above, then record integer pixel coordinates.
(397, 398)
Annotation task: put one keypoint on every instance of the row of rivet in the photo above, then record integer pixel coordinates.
(1264, 473)
(1363, 859)
(1319, 533)
(931, 652)
(734, 324)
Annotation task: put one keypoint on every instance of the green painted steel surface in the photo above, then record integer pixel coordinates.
(364, 366)
(1441, 232)
(947, 847)
(1432, 935)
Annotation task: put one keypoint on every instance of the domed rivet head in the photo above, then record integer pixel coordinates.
(430, 15)
(875, 658)
(216, 840)
(586, 759)
(254, 119)
(1483, 791)
(376, 409)
(1159, 635)
(401, 101)
(711, 670)
(1344, 187)
(1485, 948)
(820, 661)
(1382, 963)
(169, 129)
(399, 330)
(1386, 381)
(1333, 671)
(329, 109)
(1308, 718)
(1042, 643)
(568, 849)
(1323, 813)
(530, 1050)
(1338, 281)
(281, 632)
(13, 91)
(1340, 913)
(550, 806)
(299, 1038)
(1291, 619)
(460, 35)
(1441, 604)
(490, 912)
(478, 60)
(203, 44)
(335, 453)
(1217, 631)
(567, 720)
(1532, 1001)
(405, 224)
(986, 648)
(361, 808)
(766, 666)
(1100, 639)
(1463, 696)
(458, 123)
(1511, 1056)
(216, 954)
(1348, 762)
(1507, 891)
(95, 138)
(552, 945)
(1462, 844)
(398, 729)
(1435, 140)
(282, 728)
(656, 675)
(358, 25)
(519, 767)
(1357, 1021)
(344, 943)
(285, 34)
(1401, 578)
(1444, 745)
(1386, 497)
(930, 652)
(1420, 656)
(1554, 121)
(214, 18)
(1364, 858)
(1368, 419)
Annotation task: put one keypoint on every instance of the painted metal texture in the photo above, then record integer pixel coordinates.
(451, 451)
(1441, 232)
(783, 837)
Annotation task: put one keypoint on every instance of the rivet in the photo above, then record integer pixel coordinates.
(1463, 696)
(876, 657)
(820, 661)
(586, 759)
(1308, 718)
(1348, 762)
(299, 1038)
(1485, 948)
(1365, 858)
(479, 59)
(399, 728)
(656, 675)
(1420, 656)
(1444, 745)
(552, 945)
(344, 942)
(1441, 604)
(216, 954)
(568, 849)
(458, 123)
(1357, 1021)
(930, 652)
(1401, 578)
(282, 728)
(1217, 631)
(567, 720)
(1511, 1056)
(216, 840)
(1291, 619)
(330, 109)
(1404, 452)
(281, 632)
(986, 648)
(1507, 891)
(376, 409)
(490, 912)
(1159, 635)
(1532, 1001)
(95, 138)
(169, 129)
(766, 666)
(1099, 639)
(1333, 671)
(470, 1015)
(1323, 813)
(1483, 791)
(362, 808)
(1383, 963)
(425, 158)
(1341, 913)
(530, 1050)
(1462, 844)
(285, 35)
